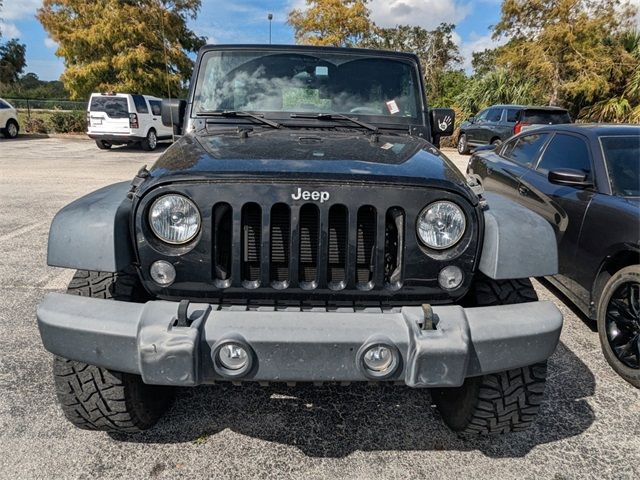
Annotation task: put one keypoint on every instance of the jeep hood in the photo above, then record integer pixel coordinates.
(311, 155)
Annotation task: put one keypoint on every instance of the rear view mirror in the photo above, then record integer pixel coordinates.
(173, 114)
(442, 122)
(569, 177)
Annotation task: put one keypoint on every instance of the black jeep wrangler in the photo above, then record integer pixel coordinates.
(303, 229)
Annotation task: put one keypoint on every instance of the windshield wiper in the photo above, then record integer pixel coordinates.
(336, 116)
(238, 114)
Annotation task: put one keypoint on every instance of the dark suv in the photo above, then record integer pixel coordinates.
(304, 229)
(495, 124)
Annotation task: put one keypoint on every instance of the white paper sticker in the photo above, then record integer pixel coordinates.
(393, 107)
(387, 146)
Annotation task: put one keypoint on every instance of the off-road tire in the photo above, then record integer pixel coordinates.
(150, 143)
(102, 145)
(499, 402)
(462, 145)
(94, 398)
(625, 275)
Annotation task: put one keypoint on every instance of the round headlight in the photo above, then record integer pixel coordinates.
(174, 219)
(441, 225)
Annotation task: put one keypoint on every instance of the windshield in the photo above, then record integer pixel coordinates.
(114, 107)
(622, 154)
(381, 89)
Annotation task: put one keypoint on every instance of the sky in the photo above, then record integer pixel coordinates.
(245, 21)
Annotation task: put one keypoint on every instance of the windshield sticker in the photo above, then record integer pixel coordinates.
(393, 107)
(387, 146)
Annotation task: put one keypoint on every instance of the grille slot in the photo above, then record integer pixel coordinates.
(394, 246)
(222, 225)
(251, 238)
(280, 243)
(366, 243)
(337, 248)
(309, 243)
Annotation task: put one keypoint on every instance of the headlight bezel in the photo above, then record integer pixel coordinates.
(458, 238)
(193, 237)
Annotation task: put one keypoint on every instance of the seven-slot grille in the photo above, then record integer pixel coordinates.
(307, 246)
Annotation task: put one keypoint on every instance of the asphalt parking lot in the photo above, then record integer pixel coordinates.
(589, 426)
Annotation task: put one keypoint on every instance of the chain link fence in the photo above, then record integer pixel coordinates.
(31, 105)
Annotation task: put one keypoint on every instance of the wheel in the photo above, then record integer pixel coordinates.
(499, 402)
(619, 323)
(12, 129)
(463, 146)
(102, 145)
(94, 398)
(151, 142)
(496, 141)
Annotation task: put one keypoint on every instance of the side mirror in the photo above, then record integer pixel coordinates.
(442, 122)
(173, 114)
(569, 177)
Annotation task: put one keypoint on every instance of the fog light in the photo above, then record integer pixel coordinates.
(378, 358)
(450, 277)
(163, 273)
(233, 356)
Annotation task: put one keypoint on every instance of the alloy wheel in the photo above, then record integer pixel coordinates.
(622, 324)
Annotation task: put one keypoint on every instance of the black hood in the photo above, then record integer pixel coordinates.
(312, 154)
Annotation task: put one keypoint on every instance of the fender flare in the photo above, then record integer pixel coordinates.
(92, 233)
(518, 243)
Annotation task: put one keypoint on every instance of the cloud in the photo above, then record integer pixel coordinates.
(19, 9)
(50, 43)
(9, 30)
(476, 43)
(424, 13)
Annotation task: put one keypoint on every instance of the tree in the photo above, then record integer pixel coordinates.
(12, 61)
(121, 45)
(437, 51)
(339, 23)
(568, 46)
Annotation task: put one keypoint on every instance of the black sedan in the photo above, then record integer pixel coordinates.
(585, 180)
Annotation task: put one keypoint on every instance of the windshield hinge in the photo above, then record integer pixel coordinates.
(138, 180)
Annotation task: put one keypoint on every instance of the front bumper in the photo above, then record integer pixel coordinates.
(292, 346)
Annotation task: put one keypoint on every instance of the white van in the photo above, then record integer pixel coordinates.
(123, 118)
(9, 126)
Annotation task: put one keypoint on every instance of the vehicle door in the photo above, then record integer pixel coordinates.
(511, 161)
(5, 113)
(156, 118)
(509, 122)
(563, 206)
(474, 130)
(491, 128)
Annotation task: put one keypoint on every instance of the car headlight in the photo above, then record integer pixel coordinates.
(441, 225)
(174, 219)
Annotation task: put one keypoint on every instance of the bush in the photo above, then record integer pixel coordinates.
(35, 125)
(68, 122)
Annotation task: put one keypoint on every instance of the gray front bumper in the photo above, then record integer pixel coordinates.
(291, 346)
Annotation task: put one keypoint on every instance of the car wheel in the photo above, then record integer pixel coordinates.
(95, 398)
(12, 129)
(102, 145)
(500, 402)
(463, 146)
(151, 142)
(619, 323)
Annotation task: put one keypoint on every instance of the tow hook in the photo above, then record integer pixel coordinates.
(428, 318)
(182, 319)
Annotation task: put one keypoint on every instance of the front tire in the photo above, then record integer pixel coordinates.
(619, 323)
(12, 129)
(499, 402)
(150, 143)
(463, 145)
(94, 398)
